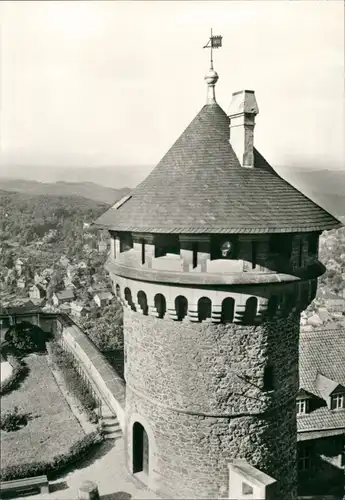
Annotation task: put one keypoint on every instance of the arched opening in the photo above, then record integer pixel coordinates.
(204, 308)
(251, 310)
(128, 298)
(228, 310)
(181, 307)
(140, 449)
(160, 305)
(142, 300)
(272, 306)
(117, 291)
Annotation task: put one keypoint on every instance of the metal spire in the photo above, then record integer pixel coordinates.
(211, 76)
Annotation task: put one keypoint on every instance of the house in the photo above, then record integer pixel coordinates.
(63, 296)
(40, 279)
(69, 283)
(78, 310)
(103, 298)
(334, 302)
(37, 291)
(64, 260)
(320, 410)
(19, 265)
(21, 283)
(71, 271)
(65, 308)
(314, 320)
(10, 277)
(324, 315)
(102, 246)
(48, 272)
(37, 277)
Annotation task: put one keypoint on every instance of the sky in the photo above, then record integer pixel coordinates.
(113, 84)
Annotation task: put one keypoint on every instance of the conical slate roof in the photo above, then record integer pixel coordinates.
(200, 187)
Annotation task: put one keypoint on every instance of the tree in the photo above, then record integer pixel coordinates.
(25, 337)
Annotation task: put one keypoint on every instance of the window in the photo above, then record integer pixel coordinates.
(268, 378)
(338, 402)
(246, 489)
(228, 310)
(304, 458)
(250, 311)
(181, 307)
(204, 308)
(302, 406)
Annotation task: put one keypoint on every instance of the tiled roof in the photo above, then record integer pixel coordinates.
(65, 294)
(200, 187)
(321, 352)
(104, 295)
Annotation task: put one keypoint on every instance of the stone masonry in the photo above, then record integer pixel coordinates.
(198, 389)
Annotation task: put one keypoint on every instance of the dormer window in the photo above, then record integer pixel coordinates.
(302, 406)
(338, 401)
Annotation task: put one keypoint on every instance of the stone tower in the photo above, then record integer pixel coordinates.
(213, 256)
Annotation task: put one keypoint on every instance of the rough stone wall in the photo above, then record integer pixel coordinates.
(199, 389)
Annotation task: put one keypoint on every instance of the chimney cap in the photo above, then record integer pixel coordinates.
(242, 102)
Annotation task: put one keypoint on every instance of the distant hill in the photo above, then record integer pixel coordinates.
(25, 219)
(90, 190)
(325, 187)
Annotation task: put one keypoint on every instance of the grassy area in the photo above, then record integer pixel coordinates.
(52, 428)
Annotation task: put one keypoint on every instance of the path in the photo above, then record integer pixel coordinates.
(106, 467)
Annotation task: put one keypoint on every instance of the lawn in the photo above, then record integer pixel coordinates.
(52, 428)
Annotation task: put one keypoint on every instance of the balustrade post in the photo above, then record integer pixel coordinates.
(240, 310)
(193, 314)
(171, 311)
(216, 315)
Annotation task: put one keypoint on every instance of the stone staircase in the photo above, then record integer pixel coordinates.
(111, 425)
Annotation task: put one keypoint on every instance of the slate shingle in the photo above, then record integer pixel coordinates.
(321, 351)
(200, 187)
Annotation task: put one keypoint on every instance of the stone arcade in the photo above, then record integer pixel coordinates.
(214, 256)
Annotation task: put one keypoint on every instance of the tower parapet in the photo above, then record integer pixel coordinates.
(213, 264)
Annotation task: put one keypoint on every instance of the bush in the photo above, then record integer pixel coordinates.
(12, 420)
(25, 338)
(20, 371)
(57, 464)
(92, 416)
(74, 381)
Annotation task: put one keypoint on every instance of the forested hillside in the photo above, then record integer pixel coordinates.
(45, 227)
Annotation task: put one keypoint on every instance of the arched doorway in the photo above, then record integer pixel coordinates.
(140, 449)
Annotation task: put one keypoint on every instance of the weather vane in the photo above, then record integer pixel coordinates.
(214, 42)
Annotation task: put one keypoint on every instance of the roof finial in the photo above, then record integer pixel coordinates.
(211, 76)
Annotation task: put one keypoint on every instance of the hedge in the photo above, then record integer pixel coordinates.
(75, 383)
(51, 468)
(20, 371)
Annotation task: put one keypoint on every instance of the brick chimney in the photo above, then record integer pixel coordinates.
(242, 112)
